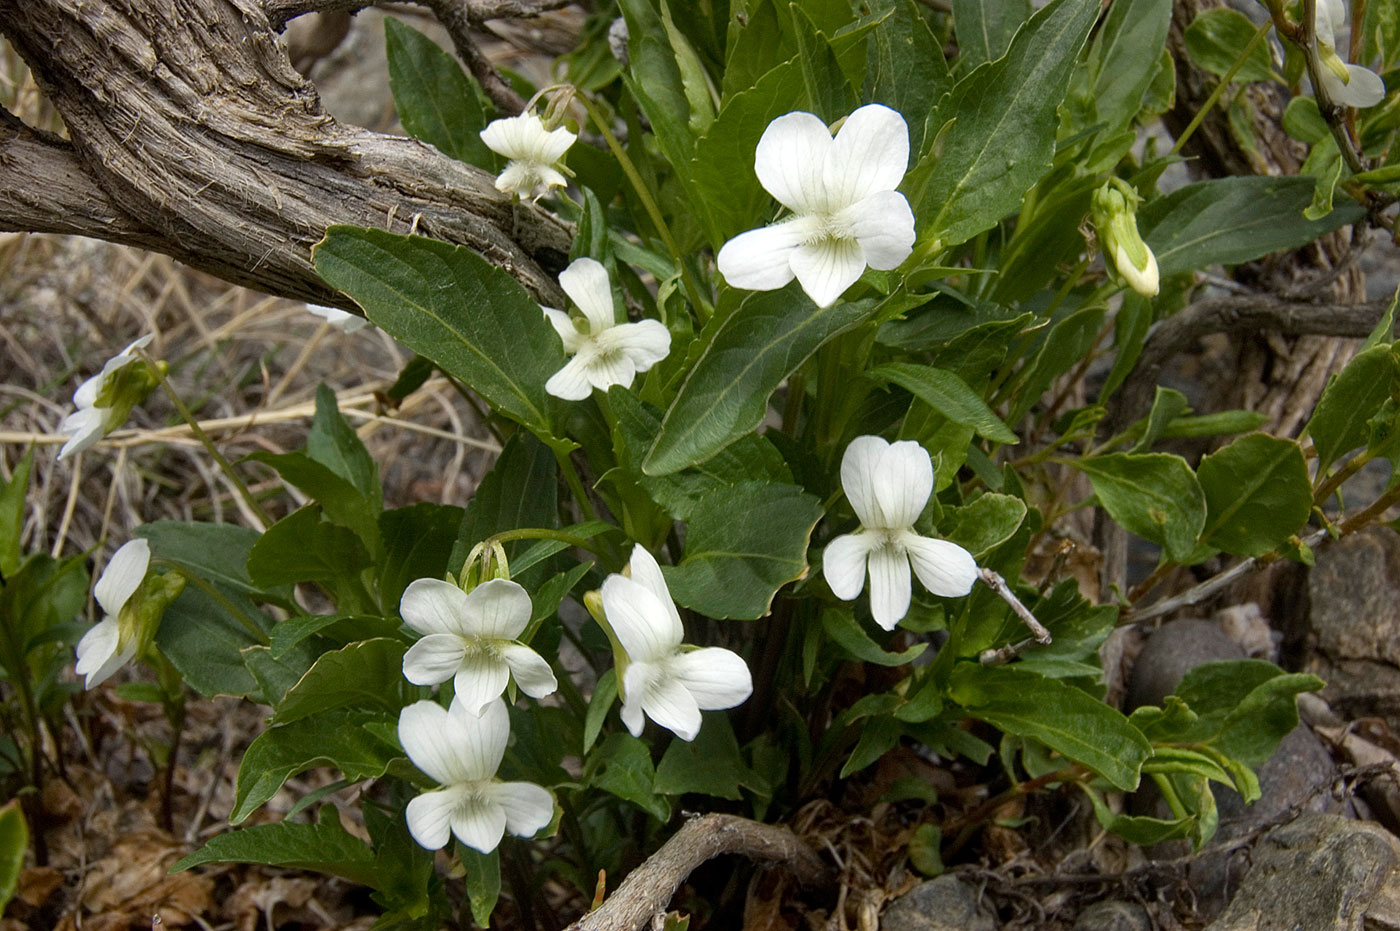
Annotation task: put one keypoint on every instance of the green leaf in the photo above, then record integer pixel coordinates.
(621, 765)
(905, 68)
(323, 848)
(1138, 829)
(521, 490)
(215, 552)
(342, 501)
(342, 628)
(1002, 134)
(1256, 726)
(1216, 39)
(1066, 343)
(757, 44)
(1125, 55)
(949, 395)
(829, 92)
(985, 27)
(334, 443)
(749, 458)
(1060, 716)
(483, 881)
(436, 101)
(841, 626)
(733, 200)
(743, 358)
(1257, 494)
(302, 547)
(741, 547)
(1153, 495)
(1167, 405)
(878, 736)
(335, 738)
(203, 634)
(599, 704)
(364, 676)
(448, 303)
(13, 495)
(654, 77)
(1352, 397)
(14, 842)
(417, 544)
(984, 523)
(1232, 220)
(709, 765)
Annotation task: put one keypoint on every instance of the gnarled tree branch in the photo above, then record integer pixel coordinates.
(649, 887)
(1235, 314)
(193, 135)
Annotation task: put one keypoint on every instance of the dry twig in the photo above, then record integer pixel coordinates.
(647, 889)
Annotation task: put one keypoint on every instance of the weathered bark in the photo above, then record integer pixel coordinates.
(191, 134)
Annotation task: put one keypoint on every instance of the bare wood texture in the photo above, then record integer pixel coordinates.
(647, 889)
(193, 135)
(1238, 314)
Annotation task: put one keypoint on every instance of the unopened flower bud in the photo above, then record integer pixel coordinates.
(1114, 208)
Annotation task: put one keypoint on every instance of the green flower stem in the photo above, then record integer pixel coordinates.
(224, 465)
(571, 477)
(544, 533)
(173, 686)
(634, 177)
(1215, 94)
(248, 624)
(1326, 489)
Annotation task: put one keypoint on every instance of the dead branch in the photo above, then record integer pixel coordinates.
(279, 12)
(1234, 314)
(647, 889)
(192, 135)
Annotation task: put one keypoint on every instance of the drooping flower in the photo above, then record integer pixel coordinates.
(662, 678)
(105, 400)
(133, 601)
(1345, 85)
(462, 752)
(342, 320)
(534, 153)
(471, 639)
(1114, 208)
(846, 213)
(888, 485)
(605, 353)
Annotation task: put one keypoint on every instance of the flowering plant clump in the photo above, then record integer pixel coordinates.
(833, 300)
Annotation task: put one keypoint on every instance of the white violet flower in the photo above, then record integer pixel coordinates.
(462, 752)
(342, 320)
(846, 213)
(605, 352)
(471, 639)
(103, 402)
(111, 644)
(1346, 85)
(888, 485)
(666, 681)
(534, 153)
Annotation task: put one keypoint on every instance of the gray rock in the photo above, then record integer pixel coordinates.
(1171, 652)
(943, 904)
(1319, 873)
(1351, 634)
(1113, 916)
